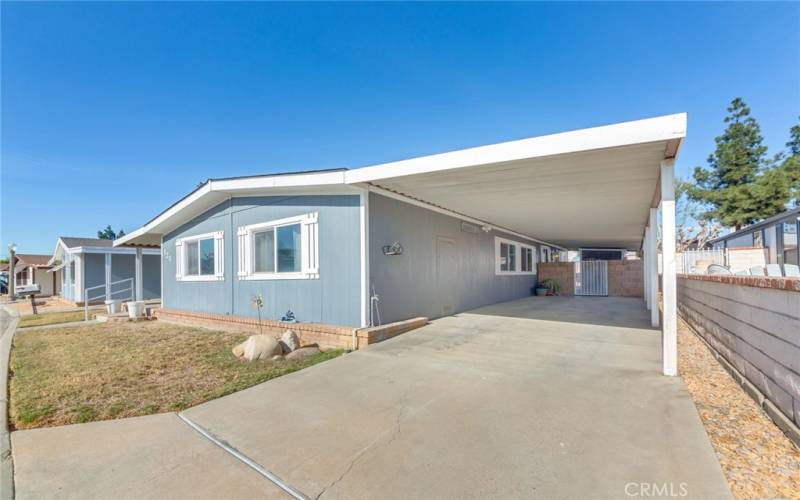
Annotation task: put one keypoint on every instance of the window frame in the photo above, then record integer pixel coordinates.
(182, 262)
(309, 248)
(518, 256)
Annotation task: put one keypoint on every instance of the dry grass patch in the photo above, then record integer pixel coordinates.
(53, 318)
(115, 370)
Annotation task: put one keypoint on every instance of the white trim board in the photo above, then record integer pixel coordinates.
(660, 128)
(113, 250)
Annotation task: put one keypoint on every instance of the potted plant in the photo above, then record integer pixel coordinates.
(540, 290)
(547, 287)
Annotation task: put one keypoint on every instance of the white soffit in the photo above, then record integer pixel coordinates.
(590, 187)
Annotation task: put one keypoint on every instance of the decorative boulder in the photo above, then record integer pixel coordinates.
(261, 347)
(303, 353)
(290, 341)
(238, 351)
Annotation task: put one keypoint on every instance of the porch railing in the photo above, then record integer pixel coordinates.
(108, 296)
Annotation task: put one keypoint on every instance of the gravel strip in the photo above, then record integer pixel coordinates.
(758, 460)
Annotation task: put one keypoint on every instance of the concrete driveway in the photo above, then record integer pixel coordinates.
(541, 397)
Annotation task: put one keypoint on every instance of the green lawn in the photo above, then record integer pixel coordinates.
(115, 370)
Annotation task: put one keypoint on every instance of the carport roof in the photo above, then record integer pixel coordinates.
(589, 187)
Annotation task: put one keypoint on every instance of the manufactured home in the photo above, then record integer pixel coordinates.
(31, 269)
(430, 236)
(94, 268)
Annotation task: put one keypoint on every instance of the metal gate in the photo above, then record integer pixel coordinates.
(591, 277)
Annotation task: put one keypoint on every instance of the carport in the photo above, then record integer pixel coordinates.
(601, 187)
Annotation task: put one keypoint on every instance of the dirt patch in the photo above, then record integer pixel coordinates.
(115, 370)
(758, 460)
(43, 305)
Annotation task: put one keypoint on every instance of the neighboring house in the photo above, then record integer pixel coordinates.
(430, 236)
(777, 236)
(96, 267)
(30, 269)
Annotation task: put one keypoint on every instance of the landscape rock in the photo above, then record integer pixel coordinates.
(303, 353)
(261, 347)
(238, 351)
(290, 341)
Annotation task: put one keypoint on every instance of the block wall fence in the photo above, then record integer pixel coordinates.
(753, 323)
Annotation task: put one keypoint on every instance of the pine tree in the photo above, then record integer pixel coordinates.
(109, 234)
(740, 185)
(791, 165)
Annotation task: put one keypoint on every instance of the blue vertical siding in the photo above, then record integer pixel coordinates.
(412, 284)
(151, 276)
(334, 298)
(94, 274)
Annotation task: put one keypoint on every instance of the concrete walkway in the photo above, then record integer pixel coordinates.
(542, 397)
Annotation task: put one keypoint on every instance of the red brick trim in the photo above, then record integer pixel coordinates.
(376, 334)
(787, 284)
(329, 336)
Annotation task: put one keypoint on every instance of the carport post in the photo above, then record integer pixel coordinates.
(652, 255)
(108, 276)
(669, 287)
(139, 276)
(646, 266)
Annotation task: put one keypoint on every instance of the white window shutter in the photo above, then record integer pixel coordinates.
(219, 255)
(242, 252)
(309, 236)
(178, 259)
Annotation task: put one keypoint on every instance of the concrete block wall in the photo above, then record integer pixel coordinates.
(754, 323)
(562, 272)
(625, 278)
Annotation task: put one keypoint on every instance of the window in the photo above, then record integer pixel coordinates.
(602, 254)
(281, 249)
(790, 243)
(512, 257)
(527, 259)
(508, 257)
(545, 254)
(199, 258)
(758, 239)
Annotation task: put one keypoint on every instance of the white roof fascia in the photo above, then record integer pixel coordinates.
(277, 181)
(184, 203)
(231, 186)
(115, 250)
(59, 244)
(661, 128)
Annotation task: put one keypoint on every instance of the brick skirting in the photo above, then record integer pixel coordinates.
(326, 336)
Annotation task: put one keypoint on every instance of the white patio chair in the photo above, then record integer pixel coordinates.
(774, 270)
(791, 270)
(717, 269)
(757, 271)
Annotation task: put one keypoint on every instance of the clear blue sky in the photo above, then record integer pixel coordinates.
(110, 112)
